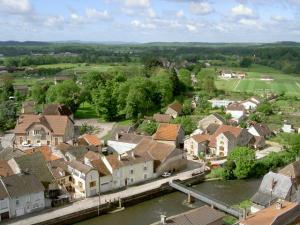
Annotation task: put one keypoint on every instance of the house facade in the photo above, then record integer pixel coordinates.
(174, 109)
(85, 179)
(237, 111)
(26, 194)
(211, 119)
(39, 130)
(218, 103)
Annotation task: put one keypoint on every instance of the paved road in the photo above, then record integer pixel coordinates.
(92, 202)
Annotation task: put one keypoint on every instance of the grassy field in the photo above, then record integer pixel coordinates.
(85, 111)
(282, 83)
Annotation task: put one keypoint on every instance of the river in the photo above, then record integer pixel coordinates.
(145, 213)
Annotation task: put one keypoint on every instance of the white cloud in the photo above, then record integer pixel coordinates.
(54, 21)
(151, 13)
(92, 13)
(278, 18)
(191, 28)
(180, 14)
(15, 6)
(201, 8)
(250, 23)
(139, 24)
(137, 3)
(241, 10)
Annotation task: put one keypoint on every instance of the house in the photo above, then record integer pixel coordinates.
(89, 139)
(237, 111)
(211, 119)
(197, 144)
(129, 168)
(43, 130)
(162, 118)
(172, 134)
(220, 142)
(287, 128)
(293, 171)
(258, 142)
(219, 103)
(226, 74)
(249, 104)
(59, 170)
(280, 213)
(106, 179)
(21, 89)
(174, 109)
(124, 142)
(204, 215)
(57, 110)
(261, 130)
(34, 164)
(78, 152)
(5, 169)
(85, 179)
(26, 194)
(240, 75)
(28, 107)
(60, 79)
(4, 203)
(167, 158)
(255, 99)
(273, 187)
(46, 152)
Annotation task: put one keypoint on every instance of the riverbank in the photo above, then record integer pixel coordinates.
(88, 208)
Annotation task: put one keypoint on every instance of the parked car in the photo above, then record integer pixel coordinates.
(166, 174)
(26, 144)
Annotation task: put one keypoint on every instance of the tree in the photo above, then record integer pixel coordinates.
(187, 107)
(228, 173)
(184, 77)
(164, 86)
(8, 115)
(265, 108)
(67, 93)
(7, 88)
(105, 101)
(39, 91)
(177, 87)
(244, 159)
(148, 127)
(246, 62)
(188, 125)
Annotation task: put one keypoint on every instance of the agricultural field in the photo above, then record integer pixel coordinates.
(280, 83)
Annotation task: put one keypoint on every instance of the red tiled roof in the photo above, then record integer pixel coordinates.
(46, 152)
(235, 131)
(235, 107)
(5, 169)
(176, 106)
(56, 124)
(167, 132)
(92, 139)
(201, 137)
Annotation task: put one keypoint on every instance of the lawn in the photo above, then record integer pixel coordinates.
(282, 83)
(86, 111)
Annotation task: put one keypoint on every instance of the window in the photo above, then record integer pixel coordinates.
(36, 132)
(145, 168)
(145, 176)
(131, 180)
(3, 204)
(93, 184)
(17, 202)
(79, 184)
(131, 171)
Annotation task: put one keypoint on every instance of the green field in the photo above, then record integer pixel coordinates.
(282, 83)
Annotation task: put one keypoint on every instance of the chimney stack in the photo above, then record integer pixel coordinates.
(119, 157)
(163, 219)
(278, 205)
(117, 136)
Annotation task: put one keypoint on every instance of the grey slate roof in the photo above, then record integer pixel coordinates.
(3, 192)
(35, 164)
(22, 184)
(200, 216)
(281, 189)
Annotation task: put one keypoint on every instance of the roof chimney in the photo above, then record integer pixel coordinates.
(132, 154)
(163, 219)
(119, 157)
(278, 205)
(117, 136)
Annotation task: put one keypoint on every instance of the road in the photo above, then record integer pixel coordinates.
(94, 201)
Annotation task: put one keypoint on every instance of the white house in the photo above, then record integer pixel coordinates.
(85, 179)
(197, 144)
(124, 142)
(218, 103)
(129, 168)
(225, 142)
(237, 111)
(226, 74)
(287, 128)
(26, 194)
(249, 104)
(174, 109)
(4, 202)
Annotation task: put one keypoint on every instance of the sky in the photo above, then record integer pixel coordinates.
(150, 20)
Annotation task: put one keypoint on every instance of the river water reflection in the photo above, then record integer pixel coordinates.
(145, 213)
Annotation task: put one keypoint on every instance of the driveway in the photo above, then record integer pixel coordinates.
(101, 129)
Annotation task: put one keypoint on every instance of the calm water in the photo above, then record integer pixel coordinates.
(231, 192)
